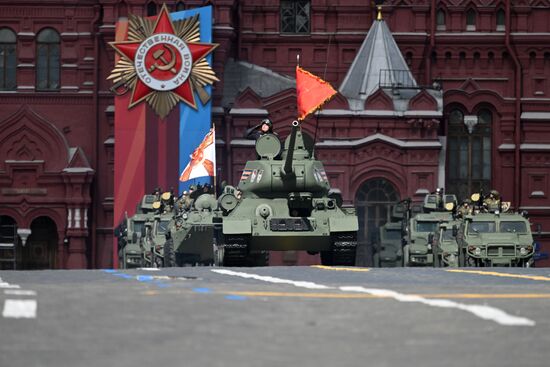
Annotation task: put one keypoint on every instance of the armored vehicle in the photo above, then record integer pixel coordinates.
(156, 228)
(388, 252)
(495, 239)
(444, 244)
(189, 240)
(131, 250)
(417, 250)
(283, 202)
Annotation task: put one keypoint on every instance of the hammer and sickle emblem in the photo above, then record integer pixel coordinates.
(159, 55)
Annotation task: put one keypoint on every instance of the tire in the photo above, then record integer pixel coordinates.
(376, 260)
(169, 254)
(461, 258)
(406, 255)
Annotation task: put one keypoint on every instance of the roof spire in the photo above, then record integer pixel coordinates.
(379, 13)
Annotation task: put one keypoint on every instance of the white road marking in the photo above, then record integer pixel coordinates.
(18, 309)
(6, 285)
(19, 292)
(308, 285)
(481, 311)
(149, 269)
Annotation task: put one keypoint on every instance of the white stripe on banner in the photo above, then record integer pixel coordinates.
(20, 309)
(481, 311)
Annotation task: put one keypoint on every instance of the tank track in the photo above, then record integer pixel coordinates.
(343, 248)
(235, 251)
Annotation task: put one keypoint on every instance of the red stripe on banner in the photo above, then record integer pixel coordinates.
(129, 172)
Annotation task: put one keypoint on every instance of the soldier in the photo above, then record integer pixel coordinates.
(465, 208)
(492, 201)
(439, 197)
(264, 127)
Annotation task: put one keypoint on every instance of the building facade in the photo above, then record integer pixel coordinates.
(476, 117)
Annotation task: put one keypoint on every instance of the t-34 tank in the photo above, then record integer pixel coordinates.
(283, 203)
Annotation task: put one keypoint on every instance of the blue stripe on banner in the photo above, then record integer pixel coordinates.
(195, 124)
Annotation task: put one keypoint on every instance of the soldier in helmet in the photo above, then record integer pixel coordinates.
(492, 201)
(264, 127)
(465, 208)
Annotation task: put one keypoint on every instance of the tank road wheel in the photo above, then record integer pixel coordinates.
(406, 255)
(169, 254)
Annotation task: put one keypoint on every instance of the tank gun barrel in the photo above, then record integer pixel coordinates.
(287, 168)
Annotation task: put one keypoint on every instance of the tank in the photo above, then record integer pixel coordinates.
(284, 202)
(129, 234)
(495, 239)
(437, 209)
(189, 240)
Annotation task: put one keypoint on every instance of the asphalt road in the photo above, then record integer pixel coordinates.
(276, 316)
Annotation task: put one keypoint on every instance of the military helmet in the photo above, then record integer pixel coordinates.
(267, 122)
(495, 193)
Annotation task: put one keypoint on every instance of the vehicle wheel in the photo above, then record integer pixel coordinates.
(218, 255)
(376, 260)
(461, 259)
(406, 255)
(437, 261)
(169, 254)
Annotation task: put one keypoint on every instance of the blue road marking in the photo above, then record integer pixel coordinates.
(235, 298)
(145, 278)
(202, 290)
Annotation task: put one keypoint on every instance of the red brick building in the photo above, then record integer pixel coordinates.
(482, 64)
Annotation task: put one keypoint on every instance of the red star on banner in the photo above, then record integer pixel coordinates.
(163, 62)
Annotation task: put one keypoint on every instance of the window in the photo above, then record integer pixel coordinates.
(47, 55)
(440, 20)
(514, 227)
(180, 6)
(8, 59)
(468, 153)
(482, 227)
(151, 9)
(471, 20)
(500, 20)
(295, 16)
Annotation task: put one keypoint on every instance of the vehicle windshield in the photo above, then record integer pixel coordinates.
(393, 234)
(426, 226)
(162, 227)
(447, 234)
(482, 227)
(138, 226)
(515, 227)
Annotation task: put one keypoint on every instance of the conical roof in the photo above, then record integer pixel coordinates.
(379, 62)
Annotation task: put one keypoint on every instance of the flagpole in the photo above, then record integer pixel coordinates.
(213, 127)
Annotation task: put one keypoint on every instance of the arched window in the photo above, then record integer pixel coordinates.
(151, 8)
(440, 20)
(471, 20)
(373, 201)
(180, 6)
(500, 20)
(8, 59)
(468, 152)
(48, 60)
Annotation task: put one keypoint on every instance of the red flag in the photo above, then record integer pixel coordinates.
(312, 92)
